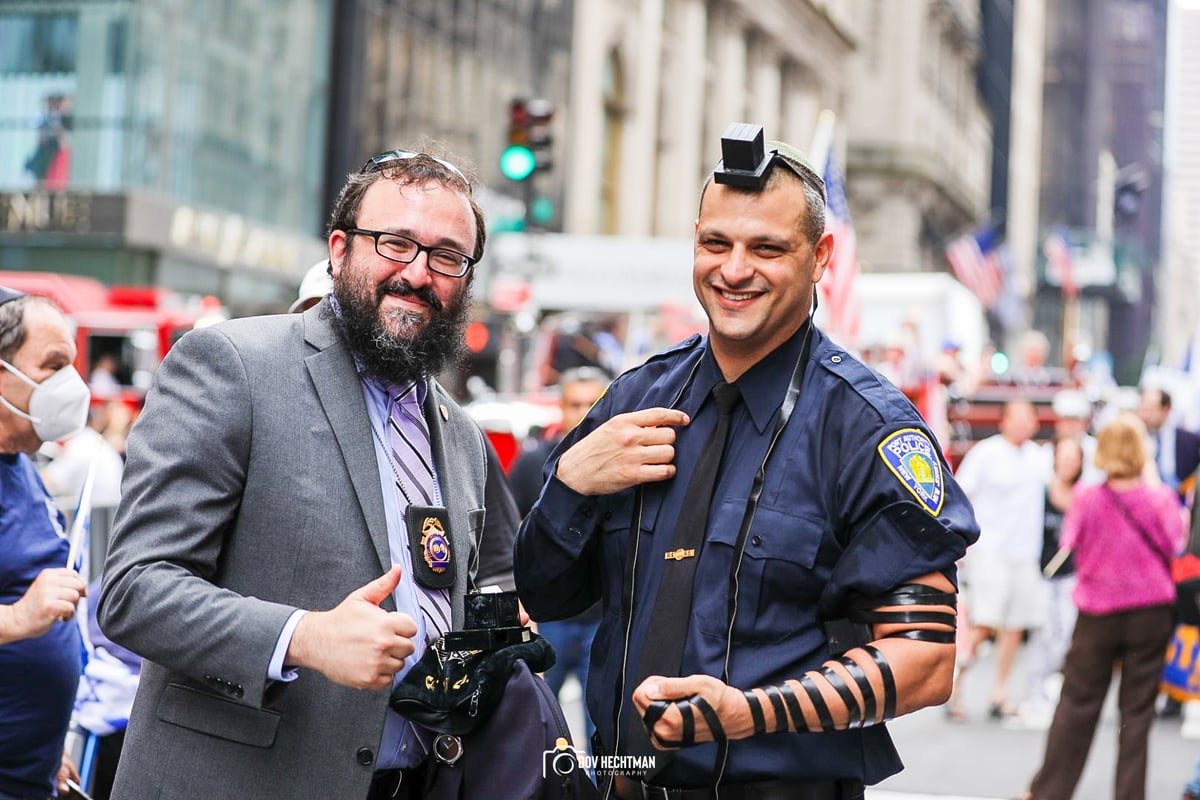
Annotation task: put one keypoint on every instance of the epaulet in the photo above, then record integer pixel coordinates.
(863, 380)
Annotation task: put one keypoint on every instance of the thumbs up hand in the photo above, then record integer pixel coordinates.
(356, 643)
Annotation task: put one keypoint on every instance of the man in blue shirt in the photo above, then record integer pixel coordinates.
(41, 398)
(822, 601)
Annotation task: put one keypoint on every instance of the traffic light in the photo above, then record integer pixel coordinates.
(529, 138)
(540, 134)
(1127, 197)
(517, 162)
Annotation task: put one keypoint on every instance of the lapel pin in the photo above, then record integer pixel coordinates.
(445, 413)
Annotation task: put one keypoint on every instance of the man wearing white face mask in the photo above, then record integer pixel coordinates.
(42, 398)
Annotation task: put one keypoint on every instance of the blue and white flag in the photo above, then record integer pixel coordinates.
(81, 524)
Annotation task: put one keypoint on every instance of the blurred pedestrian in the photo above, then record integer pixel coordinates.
(66, 472)
(1174, 450)
(302, 515)
(1048, 643)
(42, 398)
(1073, 418)
(316, 284)
(1031, 368)
(102, 379)
(1004, 477)
(1124, 535)
(580, 388)
(50, 162)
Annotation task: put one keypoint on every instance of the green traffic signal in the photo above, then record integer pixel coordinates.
(517, 162)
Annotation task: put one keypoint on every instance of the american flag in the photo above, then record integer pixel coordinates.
(837, 285)
(975, 259)
(1057, 251)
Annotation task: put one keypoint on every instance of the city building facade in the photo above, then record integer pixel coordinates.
(165, 143)
(656, 82)
(1102, 147)
(920, 137)
(1178, 318)
(408, 71)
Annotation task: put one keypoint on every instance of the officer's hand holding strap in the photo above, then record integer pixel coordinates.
(682, 712)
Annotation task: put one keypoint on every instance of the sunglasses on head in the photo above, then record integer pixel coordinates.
(377, 163)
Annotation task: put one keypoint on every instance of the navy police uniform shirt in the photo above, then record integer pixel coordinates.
(857, 500)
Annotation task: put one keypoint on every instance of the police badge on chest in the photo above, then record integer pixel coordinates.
(429, 543)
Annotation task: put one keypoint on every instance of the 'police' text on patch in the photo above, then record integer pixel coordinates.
(912, 458)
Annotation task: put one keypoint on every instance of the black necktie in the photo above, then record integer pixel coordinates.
(662, 645)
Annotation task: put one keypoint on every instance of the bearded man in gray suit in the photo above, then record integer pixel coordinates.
(303, 512)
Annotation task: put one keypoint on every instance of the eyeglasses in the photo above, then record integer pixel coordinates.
(378, 162)
(404, 250)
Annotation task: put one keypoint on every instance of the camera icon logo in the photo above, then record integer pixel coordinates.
(562, 760)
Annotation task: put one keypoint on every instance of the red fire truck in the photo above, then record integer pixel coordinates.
(132, 326)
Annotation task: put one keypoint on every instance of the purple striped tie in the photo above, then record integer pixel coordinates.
(411, 454)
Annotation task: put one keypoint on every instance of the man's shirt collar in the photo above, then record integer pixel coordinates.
(763, 386)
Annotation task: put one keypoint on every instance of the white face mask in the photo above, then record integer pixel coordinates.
(58, 405)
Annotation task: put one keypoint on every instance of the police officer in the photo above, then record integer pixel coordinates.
(822, 589)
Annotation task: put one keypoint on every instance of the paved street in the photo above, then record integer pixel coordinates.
(983, 759)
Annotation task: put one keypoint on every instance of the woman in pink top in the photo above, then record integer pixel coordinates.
(1124, 534)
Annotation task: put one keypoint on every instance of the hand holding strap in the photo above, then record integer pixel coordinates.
(687, 708)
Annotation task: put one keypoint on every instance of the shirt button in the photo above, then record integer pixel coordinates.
(836, 359)
(756, 540)
(587, 513)
(365, 756)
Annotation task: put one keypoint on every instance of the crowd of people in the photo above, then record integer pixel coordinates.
(1073, 565)
(748, 548)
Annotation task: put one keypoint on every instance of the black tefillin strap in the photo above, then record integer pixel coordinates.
(865, 610)
(860, 715)
(687, 708)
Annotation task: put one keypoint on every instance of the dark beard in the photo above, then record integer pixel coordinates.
(392, 358)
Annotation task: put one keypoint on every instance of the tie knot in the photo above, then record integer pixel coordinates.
(404, 394)
(726, 396)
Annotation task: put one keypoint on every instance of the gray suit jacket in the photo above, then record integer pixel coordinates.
(252, 490)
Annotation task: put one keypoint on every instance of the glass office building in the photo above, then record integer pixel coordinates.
(165, 142)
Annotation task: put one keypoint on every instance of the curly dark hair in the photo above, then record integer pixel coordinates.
(427, 166)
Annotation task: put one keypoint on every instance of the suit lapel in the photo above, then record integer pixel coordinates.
(340, 392)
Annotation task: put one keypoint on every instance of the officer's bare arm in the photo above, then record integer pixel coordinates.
(908, 666)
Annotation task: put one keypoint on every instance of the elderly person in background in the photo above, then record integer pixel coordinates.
(1124, 534)
(42, 398)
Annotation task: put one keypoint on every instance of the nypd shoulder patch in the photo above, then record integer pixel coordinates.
(913, 459)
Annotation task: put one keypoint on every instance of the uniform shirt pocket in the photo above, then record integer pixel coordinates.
(778, 587)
